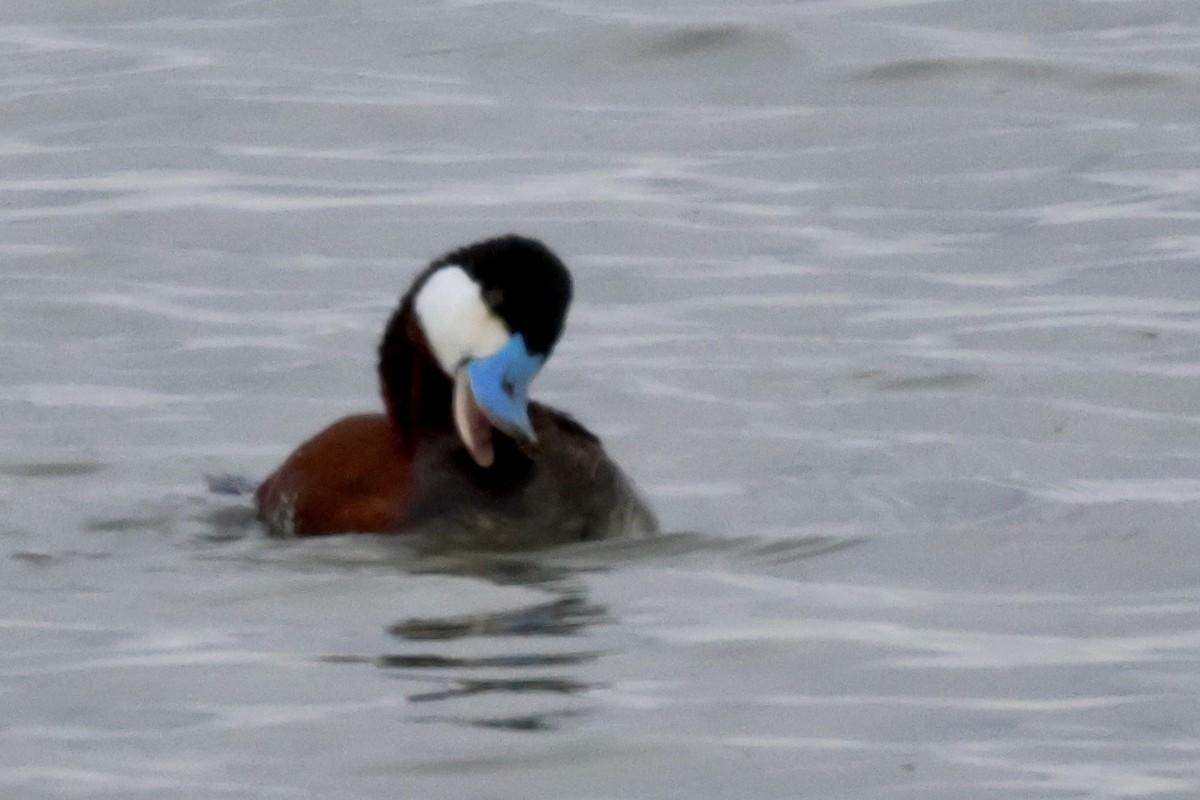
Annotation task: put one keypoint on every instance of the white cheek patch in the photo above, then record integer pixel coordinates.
(456, 321)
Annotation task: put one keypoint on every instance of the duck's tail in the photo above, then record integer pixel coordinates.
(228, 483)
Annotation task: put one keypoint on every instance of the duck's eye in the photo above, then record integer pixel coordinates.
(509, 388)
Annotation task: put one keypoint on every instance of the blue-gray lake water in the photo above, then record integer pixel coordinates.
(892, 307)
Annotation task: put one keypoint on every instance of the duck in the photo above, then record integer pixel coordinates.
(459, 450)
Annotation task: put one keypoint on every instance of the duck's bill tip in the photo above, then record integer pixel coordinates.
(499, 385)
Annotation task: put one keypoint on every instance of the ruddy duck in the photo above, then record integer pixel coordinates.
(461, 449)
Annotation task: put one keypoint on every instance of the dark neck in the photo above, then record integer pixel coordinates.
(416, 392)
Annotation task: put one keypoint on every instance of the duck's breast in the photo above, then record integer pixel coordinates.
(564, 488)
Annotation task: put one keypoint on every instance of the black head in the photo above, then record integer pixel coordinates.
(469, 337)
(523, 283)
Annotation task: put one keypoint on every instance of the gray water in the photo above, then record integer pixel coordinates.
(891, 306)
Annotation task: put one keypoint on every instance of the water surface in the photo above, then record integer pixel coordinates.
(890, 307)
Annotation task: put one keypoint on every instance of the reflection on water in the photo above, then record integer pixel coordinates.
(562, 617)
(570, 615)
(468, 687)
(425, 660)
(468, 684)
